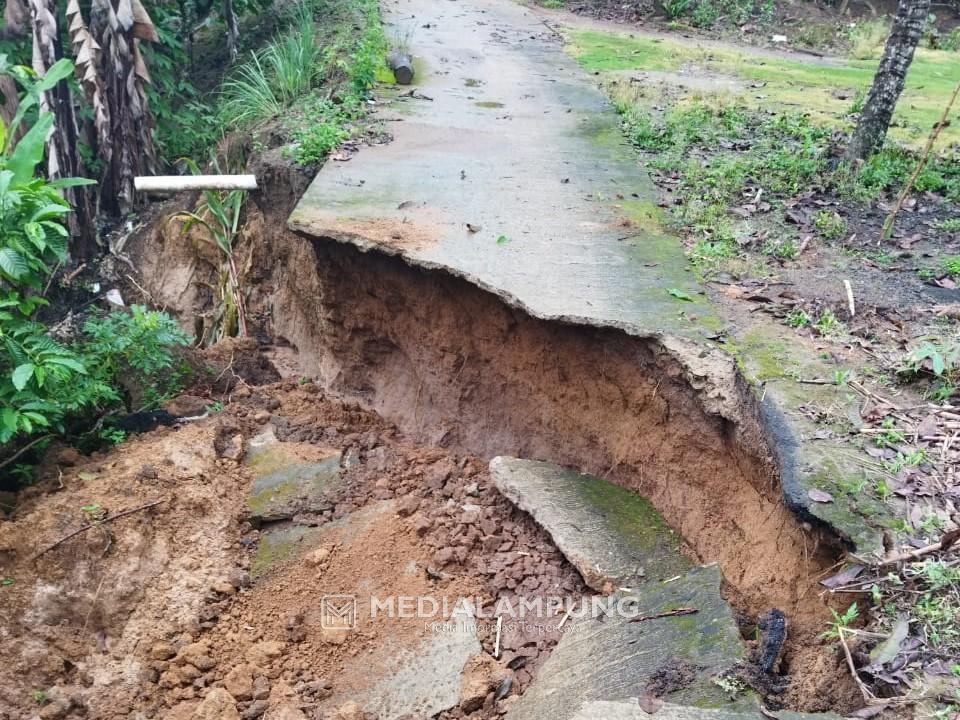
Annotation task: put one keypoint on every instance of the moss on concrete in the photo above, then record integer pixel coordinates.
(276, 546)
(643, 215)
(635, 520)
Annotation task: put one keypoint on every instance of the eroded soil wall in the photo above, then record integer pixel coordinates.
(454, 365)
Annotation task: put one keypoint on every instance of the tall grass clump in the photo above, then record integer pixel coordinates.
(367, 61)
(273, 78)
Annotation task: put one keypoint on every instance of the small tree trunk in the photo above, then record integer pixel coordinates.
(63, 157)
(16, 17)
(890, 78)
(233, 32)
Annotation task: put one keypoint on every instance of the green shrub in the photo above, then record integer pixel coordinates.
(40, 379)
(950, 225)
(674, 9)
(951, 41)
(938, 358)
(705, 14)
(318, 125)
(829, 224)
(889, 168)
(43, 382)
(136, 350)
(867, 38)
(951, 265)
(641, 131)
(367, 62)
(317, 141)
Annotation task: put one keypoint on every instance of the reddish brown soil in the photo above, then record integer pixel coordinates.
(149, 612)
(452, 365)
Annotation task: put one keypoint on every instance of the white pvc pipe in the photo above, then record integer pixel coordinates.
(176, 183)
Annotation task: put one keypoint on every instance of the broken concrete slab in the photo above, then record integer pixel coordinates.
(614, 659)
(631, 710)
(611, 535)
(281, 540)
(513, 174)
(619, 543)
(424, 681)
(276, 545)
(289, 478)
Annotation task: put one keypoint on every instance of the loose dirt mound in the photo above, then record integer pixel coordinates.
(154, 612)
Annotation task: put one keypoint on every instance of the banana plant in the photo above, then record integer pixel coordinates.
(219, 215)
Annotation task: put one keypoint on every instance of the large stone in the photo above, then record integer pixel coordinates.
(239, 682)
(286, 711)
(612, 536)
(481, 675)
(261, 654)
(197, 655)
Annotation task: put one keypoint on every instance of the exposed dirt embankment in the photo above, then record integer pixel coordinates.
(454, 365)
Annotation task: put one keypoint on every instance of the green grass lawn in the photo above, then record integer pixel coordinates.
(808, 86)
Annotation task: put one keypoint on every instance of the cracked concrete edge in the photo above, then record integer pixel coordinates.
(631, 710)
(760, 423)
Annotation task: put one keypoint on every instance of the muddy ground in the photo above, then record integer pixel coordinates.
(146, 614)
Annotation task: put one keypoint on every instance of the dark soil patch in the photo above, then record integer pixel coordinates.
(673, 675)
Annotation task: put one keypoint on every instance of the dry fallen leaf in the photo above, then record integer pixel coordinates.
(820, 496)
(844, 577)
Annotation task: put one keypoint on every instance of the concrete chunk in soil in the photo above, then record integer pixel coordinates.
(612, 536)
(424, 681)
(289, 478)
(618, 542)
(613, 660)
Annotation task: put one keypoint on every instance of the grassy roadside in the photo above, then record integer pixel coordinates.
(745, 151)
(826, 90)
(306, 89)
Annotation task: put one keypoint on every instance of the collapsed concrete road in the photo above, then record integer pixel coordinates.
(508, 169)
(494, 280)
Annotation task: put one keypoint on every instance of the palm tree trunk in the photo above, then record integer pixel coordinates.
(233, 31)
(16, 17)
(125, 140)
(890, 78)
(63, 157)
